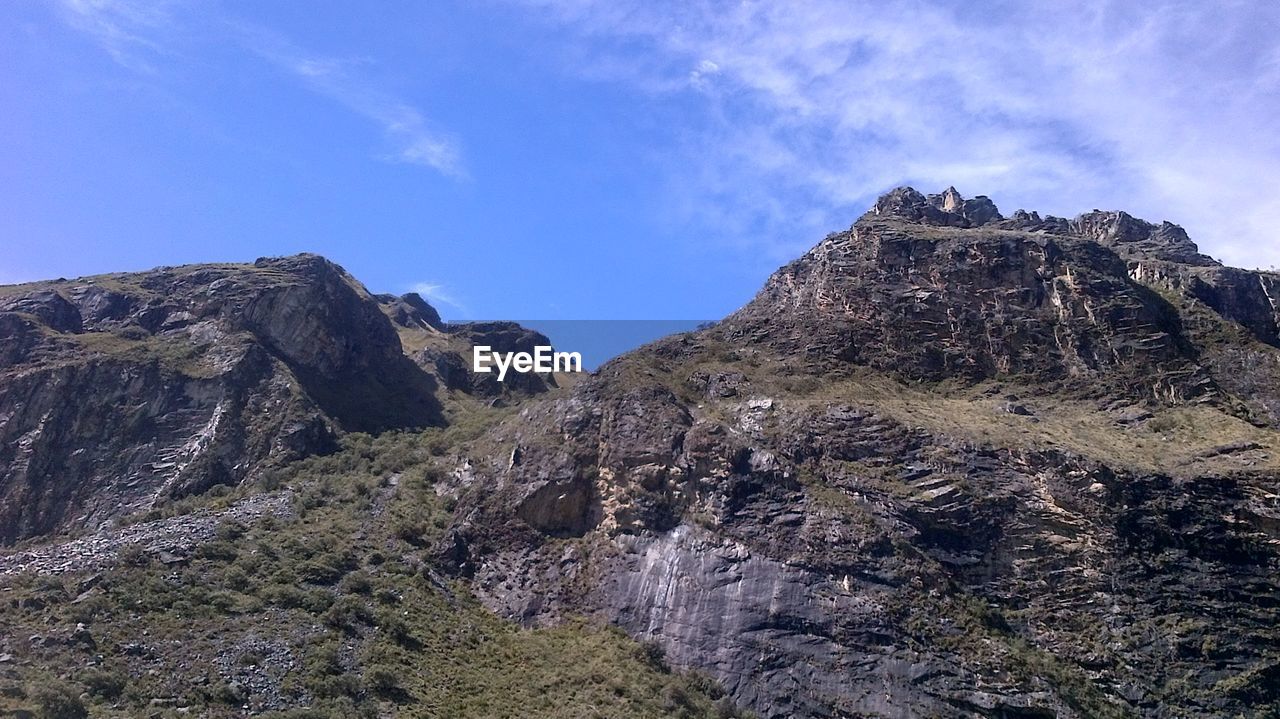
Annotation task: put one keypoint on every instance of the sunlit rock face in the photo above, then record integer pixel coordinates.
(947, 463)
(118, 391)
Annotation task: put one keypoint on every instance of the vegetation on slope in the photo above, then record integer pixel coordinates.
(332, 612)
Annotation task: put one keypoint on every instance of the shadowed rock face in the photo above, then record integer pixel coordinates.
(411, 311)
(119, 390)
(946, 464)
(975, 304)
(1127, 235)
(444, 349)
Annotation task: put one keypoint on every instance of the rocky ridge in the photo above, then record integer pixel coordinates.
(120, 391)
(945, 464)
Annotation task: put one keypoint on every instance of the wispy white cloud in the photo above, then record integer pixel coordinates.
(1166, 109)
(437, 294)
(414, 140)
(136, 33)
(123, 28)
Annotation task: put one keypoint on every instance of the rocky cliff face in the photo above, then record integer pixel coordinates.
(945, 464)
(119, 391)
(948, 463)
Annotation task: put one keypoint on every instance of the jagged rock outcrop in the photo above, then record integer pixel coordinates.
(946, 464)
(947, 209)
(444, 349)
(411, 312)
(971, 304)
(119, 391)
(1133, 238)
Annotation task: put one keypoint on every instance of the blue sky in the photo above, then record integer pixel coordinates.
(630, 160)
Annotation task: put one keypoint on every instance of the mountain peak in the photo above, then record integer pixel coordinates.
(1130, 237)
(951, 199)
(884, 473)
(947, 209)
(1134, 238)
(410, 310)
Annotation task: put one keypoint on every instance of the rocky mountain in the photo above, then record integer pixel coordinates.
(119, 390)
(947, 463)
(123, 391)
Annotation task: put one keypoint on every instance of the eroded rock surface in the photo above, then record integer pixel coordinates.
(945, 464)
(948, 463)
(119, 391)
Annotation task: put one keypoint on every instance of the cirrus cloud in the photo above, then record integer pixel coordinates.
(437, 294)
(1165, 109)
(136, 33)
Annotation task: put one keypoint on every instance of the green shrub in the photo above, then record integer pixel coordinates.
(383, 681)
(250, 658)
(104, 683)
(410, 530)
(395, 627)
(58, 700)
(231, 530)
(133, 555)
(347, 614)
(220, 692)
(327, 566)
(356, 582)
(221, 602)
(236, 579)
(332, 686)
(307, 713)
(653, 655)
(325, 659)
(220, 550)
(292, 596)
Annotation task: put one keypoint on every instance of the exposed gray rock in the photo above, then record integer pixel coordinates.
(1134, 238)
(947, 209)
(957, 303)
(170, 540)
(822, 559)
(410, 310)
(120, 391)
